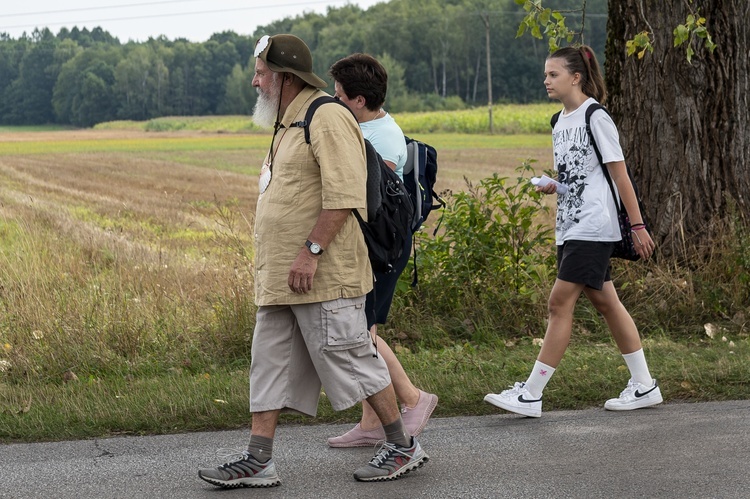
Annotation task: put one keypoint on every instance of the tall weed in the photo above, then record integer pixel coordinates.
(81, 300)
(490, 264)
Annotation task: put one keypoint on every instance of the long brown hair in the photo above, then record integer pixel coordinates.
(582, 60)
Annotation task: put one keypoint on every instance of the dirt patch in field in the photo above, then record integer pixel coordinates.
(476, 164)
(89, 134)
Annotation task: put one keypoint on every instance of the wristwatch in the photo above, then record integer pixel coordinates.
(314, 248)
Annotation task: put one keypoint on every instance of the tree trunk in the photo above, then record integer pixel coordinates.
(476, 79)
(685, 128)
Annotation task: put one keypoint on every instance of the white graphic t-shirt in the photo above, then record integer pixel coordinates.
(587, 211)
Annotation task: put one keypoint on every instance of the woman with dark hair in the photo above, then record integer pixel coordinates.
(361, 82)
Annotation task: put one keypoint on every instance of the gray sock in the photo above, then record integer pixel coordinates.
(396, 433)
(260, 448)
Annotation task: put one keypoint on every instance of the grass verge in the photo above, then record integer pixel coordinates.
(695, 370)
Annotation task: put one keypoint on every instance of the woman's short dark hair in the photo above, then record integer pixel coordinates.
(362, 74)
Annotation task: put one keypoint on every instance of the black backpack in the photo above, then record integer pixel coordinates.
(390, 211)
(420, 175)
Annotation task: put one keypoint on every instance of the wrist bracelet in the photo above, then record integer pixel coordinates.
(637, 227)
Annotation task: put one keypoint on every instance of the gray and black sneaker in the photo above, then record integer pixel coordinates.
(391, 461)
(245, 472)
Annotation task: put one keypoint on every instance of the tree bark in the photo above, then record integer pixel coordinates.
(684, 127)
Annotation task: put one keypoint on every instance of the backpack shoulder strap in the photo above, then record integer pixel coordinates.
(589, 111)
(554, 118)
(314, 105)
(375, 174)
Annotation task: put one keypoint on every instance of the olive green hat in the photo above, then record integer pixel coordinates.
(288, 54)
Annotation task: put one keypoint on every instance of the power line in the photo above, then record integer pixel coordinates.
(105, 7)
(153, 16)
(219, 11)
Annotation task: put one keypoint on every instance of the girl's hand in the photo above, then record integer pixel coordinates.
(644, 245)
(547, 189)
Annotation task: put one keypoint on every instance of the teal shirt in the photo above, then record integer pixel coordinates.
(388, 139)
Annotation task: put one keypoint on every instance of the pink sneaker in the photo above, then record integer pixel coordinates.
(416, 418)
(357, 437)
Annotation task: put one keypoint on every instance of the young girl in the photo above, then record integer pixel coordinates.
(585, 231)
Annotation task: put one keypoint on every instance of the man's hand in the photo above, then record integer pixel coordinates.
(302, 272)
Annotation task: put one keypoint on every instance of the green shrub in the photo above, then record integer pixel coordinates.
(489, 267)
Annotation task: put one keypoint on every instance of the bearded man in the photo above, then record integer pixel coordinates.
(312, 273)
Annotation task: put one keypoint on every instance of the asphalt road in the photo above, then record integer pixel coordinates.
(674, 450)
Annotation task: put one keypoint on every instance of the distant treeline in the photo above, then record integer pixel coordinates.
(435, 52)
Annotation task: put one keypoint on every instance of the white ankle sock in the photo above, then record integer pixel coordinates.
(636, 363)
(538, 378)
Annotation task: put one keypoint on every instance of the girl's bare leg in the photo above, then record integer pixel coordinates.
(616, 316)
(562, 302)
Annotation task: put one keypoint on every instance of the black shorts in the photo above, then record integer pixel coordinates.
(584, 262)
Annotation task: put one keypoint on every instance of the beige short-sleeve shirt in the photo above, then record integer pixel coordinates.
(329, 173)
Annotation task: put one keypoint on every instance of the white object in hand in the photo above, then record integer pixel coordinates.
(544, 181)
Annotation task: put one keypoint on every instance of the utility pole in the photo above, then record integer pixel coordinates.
(486, 18)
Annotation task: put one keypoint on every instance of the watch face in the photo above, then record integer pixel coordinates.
(315, 248)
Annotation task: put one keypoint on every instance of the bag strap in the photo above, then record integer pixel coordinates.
(314, 105)
(589, 111)
(554, 118)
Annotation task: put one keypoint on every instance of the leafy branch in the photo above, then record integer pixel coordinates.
(692, 31)
(540, 22)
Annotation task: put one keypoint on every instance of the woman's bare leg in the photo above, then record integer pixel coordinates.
(406, 392)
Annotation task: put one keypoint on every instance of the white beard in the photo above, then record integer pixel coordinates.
(267, 105)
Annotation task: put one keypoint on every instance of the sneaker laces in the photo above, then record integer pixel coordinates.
(516, 389)
(384, 452)
(628, 389)
(227, 455)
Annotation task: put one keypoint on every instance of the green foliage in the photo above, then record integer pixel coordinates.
(416, 103)
(693, 29)
(540, 22)
(640, 43)
(215, 398)
(491, 257)
(197, 123)
(435, 59)
(551, 22)
(507, 119)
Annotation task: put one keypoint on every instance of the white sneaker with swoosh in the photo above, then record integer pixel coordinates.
(635, 396)
(518, 400)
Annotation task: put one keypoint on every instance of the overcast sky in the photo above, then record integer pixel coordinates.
(138, 20)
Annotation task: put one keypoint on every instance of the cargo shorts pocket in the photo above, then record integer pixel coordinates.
(345, 324)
